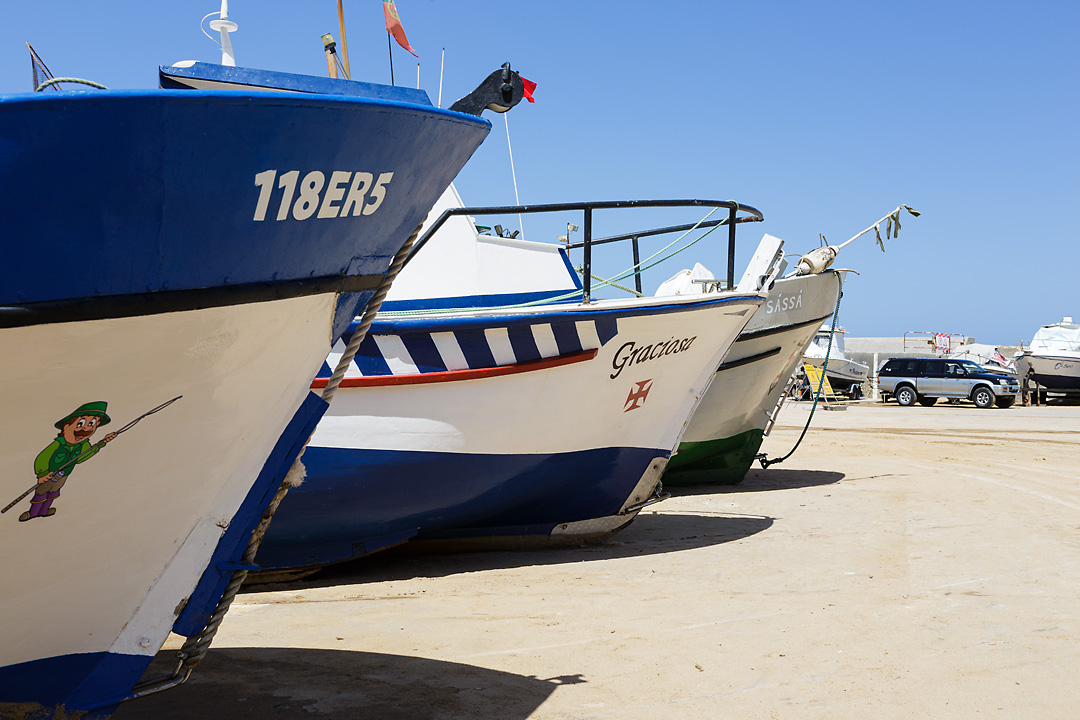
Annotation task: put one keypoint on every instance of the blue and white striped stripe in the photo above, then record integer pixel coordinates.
(420, 351)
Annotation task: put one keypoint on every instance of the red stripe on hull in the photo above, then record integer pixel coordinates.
(454, 375)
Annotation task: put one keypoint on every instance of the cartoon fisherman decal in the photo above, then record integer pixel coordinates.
(54, 465)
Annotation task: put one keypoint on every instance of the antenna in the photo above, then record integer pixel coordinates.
(513, 173)
(225, 26)
(442, 66)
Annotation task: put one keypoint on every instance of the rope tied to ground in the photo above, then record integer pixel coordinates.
(762, 458)
(195, 648)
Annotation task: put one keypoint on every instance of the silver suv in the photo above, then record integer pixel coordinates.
(922, 380)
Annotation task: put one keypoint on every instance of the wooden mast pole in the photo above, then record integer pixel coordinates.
(344, 44)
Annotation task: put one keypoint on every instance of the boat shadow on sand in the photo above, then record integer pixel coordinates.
(652, 532)
(758, 480)
(285, 683)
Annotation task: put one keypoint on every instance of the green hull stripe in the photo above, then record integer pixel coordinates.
(723, 461)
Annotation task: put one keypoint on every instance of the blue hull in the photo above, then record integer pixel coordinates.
(72, 680)
(355, 502)
(135, 192)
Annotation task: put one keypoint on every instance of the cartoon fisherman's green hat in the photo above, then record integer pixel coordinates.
(90, 408)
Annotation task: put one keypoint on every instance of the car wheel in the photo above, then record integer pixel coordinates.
(982, 397)
(927, 401)
(1004, 402)
(905, 395)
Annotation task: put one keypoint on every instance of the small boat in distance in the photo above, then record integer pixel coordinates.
(203, 246)
(845, 376)
(1052, 358)
(987, 356)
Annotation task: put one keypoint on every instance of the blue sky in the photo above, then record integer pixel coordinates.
(824, 115)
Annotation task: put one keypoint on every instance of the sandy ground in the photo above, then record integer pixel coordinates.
(903, 563)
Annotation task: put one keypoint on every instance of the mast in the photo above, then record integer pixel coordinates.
(225, 26)
(344, 44)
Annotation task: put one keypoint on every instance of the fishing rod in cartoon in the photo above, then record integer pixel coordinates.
(54, 465)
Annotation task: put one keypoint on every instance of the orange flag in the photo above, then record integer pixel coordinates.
(393, 26)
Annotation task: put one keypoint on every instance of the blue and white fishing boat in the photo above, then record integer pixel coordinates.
(465, 417)
(177, 266)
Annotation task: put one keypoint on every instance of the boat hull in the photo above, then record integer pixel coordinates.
(1054, 371)
(514, 455)
(145, 263)
(165, 191)
(138, 521)
(842, 373)
(727, 428)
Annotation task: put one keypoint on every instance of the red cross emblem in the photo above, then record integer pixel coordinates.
(637, 396)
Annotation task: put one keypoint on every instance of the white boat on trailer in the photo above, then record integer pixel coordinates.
(846, 376)
(1052, 358)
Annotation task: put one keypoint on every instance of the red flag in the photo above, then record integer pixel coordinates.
(393, 26)
(529, 87)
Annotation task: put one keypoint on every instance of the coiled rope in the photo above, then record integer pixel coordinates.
(53, 81)
(762, 458)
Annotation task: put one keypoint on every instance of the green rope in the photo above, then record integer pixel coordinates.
(636, 269)
(632, 291)
(765, 461)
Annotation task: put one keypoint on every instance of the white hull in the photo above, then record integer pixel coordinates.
(1056, 371)
(562, 409)
(741, 396)
(842, 370)
(136, 524)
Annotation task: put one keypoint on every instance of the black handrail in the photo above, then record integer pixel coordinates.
(750, 215)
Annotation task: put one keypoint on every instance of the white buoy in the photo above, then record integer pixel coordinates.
(817, 260)
(225, 26)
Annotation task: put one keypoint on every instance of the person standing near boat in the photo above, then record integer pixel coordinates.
(54, 464)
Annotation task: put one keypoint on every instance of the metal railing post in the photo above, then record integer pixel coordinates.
(587, 279)
(731, 248)
(637, 261)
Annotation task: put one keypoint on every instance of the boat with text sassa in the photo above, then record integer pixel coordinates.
(726, 432)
